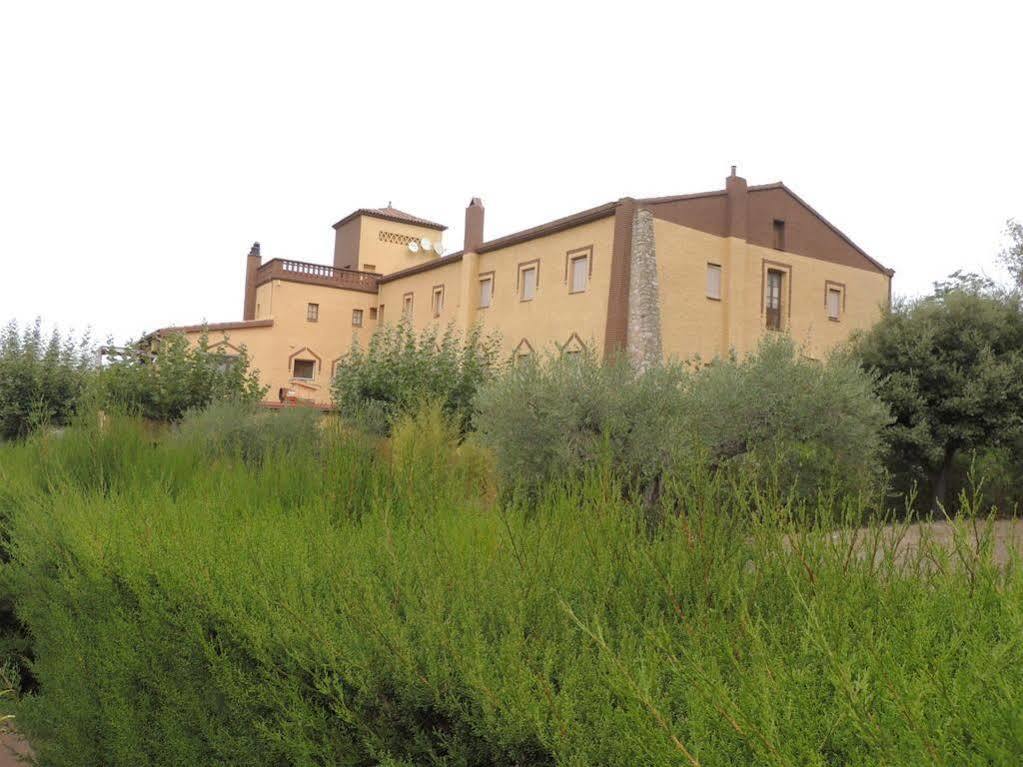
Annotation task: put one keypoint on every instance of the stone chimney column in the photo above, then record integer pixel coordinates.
(741, 303)
(644, 323)
(468, 294)
(252, 263)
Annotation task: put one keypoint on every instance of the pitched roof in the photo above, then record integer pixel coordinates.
(390, 214)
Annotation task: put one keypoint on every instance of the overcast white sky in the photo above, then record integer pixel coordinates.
(144, 146)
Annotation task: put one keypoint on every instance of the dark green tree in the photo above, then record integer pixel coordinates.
(950, 366)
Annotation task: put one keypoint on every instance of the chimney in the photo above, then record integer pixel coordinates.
(735, 186)
(253, 261)
(473, 225)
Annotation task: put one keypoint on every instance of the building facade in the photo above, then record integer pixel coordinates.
(671, 277)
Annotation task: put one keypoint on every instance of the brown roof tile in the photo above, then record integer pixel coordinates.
(390, 214)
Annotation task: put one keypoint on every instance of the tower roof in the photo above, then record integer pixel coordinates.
(390, 214)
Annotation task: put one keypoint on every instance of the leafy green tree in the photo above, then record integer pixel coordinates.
(950, 366)
(178, 377)
(1012, 255)
(400, 369)
(41, 380)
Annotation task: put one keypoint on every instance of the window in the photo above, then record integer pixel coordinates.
(578, 273)
(304, 369)
(312, 312)
(372, 312)
(486, 290)
(437, 302)
(779, 234)
(528, 281)
(714, 281)
(406, 306)
(369, 267)
(357, 318)
(772, 298)
(225, 361)
(380, 313)
(834, 303)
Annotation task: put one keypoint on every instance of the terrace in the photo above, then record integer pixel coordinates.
(317, 274)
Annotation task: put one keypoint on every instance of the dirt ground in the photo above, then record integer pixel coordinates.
(13, 750)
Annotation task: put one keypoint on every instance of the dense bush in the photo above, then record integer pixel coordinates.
(400, 369)
(791, 422)
(249, 430)
(810, 426)
(558, 417)
(362, 611)
(41, 380)
(180, 377)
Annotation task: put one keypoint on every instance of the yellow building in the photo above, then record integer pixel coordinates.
(669, 277)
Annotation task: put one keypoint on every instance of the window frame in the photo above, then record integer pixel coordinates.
(312, 312)
(372, 313)
(571, 257)
(785, 313)
(830, 286)
(520, 282)
(778, 233)
(711, 267)
(486, 277)
(408, 305)
(357, 313)
(437, 301)
(294, 364)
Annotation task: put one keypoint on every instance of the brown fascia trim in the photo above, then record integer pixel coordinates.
(385, 217)
(435, 264)
(678, 197)
(213, 327)
(551, 227)
(779, 185)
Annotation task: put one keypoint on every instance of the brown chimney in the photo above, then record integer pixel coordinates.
(736, 188)
(252, 264)
(473, 225)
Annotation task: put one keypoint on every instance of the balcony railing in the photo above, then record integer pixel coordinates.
(316, 274)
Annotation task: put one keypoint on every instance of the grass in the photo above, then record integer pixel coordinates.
(372, 603)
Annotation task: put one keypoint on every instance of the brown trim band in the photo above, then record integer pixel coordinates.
(410, 220)
(616, 329)
(435, 264)
(216, 327)
(551, 227)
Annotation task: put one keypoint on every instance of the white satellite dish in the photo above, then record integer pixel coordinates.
(438, 248)
(425, 244)
(413, 246)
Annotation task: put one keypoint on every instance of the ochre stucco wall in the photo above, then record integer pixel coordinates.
(272, 349)
(693, 324)
(421, 287)
(554, 314)
(388, 257)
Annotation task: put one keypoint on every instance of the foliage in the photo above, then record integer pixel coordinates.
(558, 416)
(42, 381)
(803, 425)
(180, 377)
(310, 610)
(249, 430)
(400, 369)
(1011, 255)
(811, 426)
(951, 369)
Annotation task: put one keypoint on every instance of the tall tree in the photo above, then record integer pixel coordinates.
(1012, 255)
(951, 369)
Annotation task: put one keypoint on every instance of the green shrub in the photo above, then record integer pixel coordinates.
(400, 369)
(244, 620)
(180, 377)
(42, 381)
(251, 430)
(558, 417)
(807, 426)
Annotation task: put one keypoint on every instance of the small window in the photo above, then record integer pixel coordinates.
(369, 267)
(357, 318)
(527, 283)
(437, 302)
(578, 273)
(834, 303)
(380, 313)
(714, 281)
(486, 290)
(779, 234)
(372, 312)
(772, 299)
(304, 369)
(406, 306)
(312, 312)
